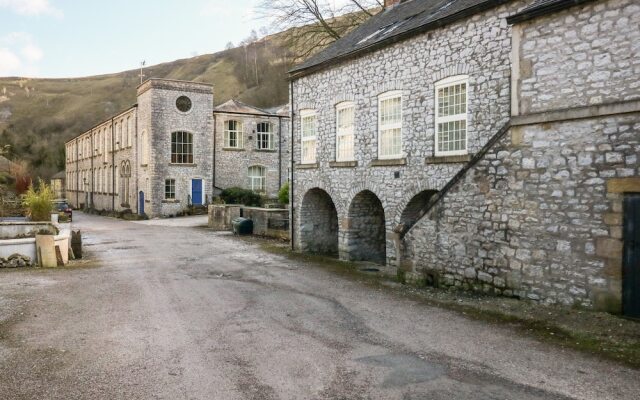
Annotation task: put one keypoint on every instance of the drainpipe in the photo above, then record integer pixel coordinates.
(292, 182)
(93, 172)
(137, 166)
(77, 174)
(213, 166)
(113, 168)
(279, 152)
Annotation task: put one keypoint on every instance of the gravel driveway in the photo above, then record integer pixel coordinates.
(163, 311)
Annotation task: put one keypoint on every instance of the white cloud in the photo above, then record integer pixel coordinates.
(9, 62)
(19, 54)
(32, 53)
(31, 7)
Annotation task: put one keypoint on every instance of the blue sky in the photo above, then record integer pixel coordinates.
(72, 38)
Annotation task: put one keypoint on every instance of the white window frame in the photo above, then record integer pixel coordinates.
(310, 138)
(239, 131)
(170, 183)
(345, 132)
(451, 81)
(396, 125)
(269, 134)
(262, 179)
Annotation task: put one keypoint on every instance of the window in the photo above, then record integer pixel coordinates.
(129, 131)
(181, 148)
(451, 116)
(144, 144)
(183, 104)
(118, 135)
(170, 189)
(233, 137)
(345, 121)
(308, 136)
(390, 125)
(265, 136)
(257, 178)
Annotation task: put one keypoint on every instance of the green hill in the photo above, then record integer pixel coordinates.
(38, 115)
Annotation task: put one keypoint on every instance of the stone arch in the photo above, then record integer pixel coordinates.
(414, 209)
(366, 231)
(318, 223)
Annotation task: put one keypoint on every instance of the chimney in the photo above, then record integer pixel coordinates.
(391, 3)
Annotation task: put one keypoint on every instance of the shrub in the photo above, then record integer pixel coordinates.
(236, 195)
(283, 194)
(39, 202)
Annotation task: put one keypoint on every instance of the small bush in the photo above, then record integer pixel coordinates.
(236, 195)
(283, 194)
(39, 202)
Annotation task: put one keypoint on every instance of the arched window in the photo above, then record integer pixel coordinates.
(233, 137)
(181, 148)
(451, 115)
(264, 135)
(257, 178)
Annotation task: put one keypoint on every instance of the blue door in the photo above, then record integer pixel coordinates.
(196, 191)
(141, 202)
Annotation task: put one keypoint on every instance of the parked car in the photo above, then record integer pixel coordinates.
(63, 207)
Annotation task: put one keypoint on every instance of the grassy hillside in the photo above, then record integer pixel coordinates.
(38, 115)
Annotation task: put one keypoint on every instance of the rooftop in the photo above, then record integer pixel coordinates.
(407, 19)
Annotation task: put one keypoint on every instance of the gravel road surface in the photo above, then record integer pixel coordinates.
(167, 310)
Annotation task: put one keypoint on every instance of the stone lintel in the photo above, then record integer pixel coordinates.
(308, 166)
(343, 164)
(388, 163)
(622, 185)
(448, 159)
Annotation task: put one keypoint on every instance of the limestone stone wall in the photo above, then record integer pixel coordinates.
(536, 218)
(479, 47)
(95, 157)
(232, 165)
(586, 55)
(157, 100)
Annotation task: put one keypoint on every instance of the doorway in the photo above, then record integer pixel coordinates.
(196, 192)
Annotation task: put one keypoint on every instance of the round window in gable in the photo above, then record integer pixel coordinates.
(183, 103)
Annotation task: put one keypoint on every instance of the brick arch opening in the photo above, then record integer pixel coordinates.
(415, 209)
(318, 223)
(366, 237)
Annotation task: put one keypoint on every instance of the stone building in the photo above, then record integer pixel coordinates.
(157, 158)
(488, 145)
(251, 147)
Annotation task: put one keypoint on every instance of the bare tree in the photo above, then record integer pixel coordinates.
(311, 25)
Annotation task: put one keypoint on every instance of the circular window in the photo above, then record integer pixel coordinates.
(183, 103)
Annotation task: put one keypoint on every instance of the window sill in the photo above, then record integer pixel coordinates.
(308, 166)
(183, 165)
(388, 163)
(144, 165)
(267, 150)
(343, 164)
(448, 159)
(170, 201)
(232, 149)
